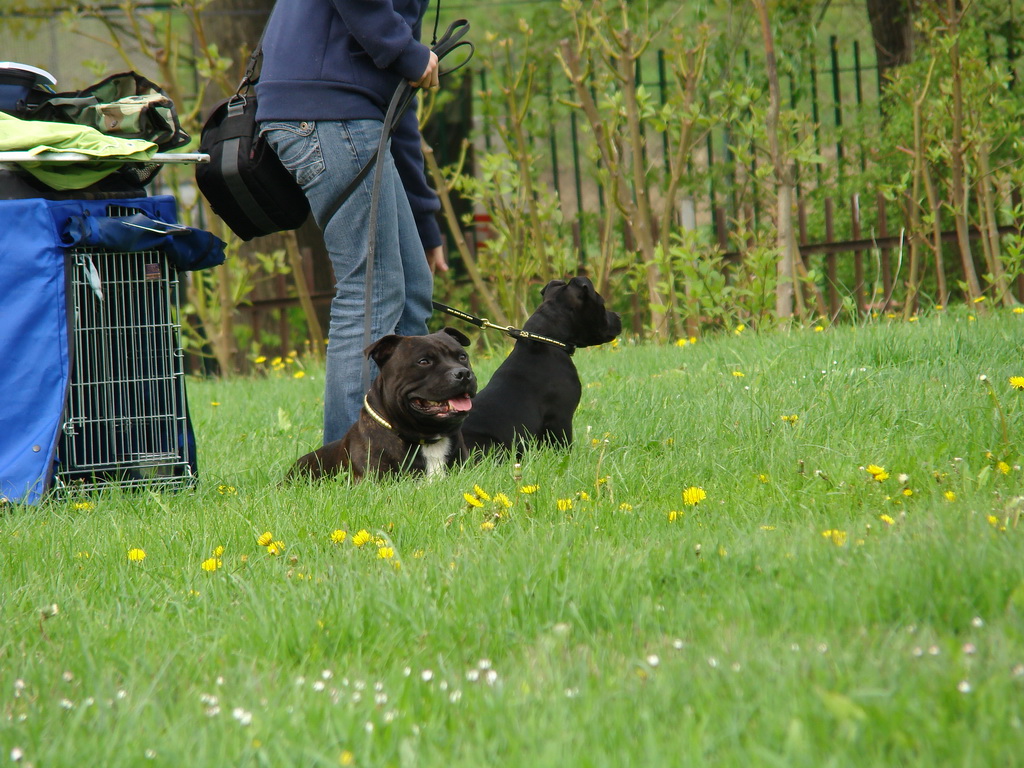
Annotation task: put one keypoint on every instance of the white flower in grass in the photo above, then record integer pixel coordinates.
(964, 686)
(653, 660)
(473, 675)
(243, 716)
(426, 675)
(455, 696)
(17, 753)
(977, 622)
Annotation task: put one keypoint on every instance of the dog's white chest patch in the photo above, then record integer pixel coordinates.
(435, 456)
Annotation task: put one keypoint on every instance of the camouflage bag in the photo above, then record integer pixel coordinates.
(126, 105)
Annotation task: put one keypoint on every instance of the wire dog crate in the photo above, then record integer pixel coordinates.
(126, 417)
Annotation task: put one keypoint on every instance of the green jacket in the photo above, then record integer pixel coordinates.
(36, 137)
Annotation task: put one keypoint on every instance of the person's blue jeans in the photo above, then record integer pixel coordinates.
(324, 157)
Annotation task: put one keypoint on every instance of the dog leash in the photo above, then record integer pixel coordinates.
(515, 333)
(400, 102)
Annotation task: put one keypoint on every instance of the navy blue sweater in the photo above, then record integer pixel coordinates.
(343, 60)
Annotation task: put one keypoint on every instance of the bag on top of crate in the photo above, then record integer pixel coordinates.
(125, 105)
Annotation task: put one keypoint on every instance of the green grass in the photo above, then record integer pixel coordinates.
(607, 634)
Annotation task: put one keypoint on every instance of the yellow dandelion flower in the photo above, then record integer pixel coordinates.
(226, 490)
(913, 319)
(361, 538)
(763, 478)
(739, 329)
(385, 553)
(887, 520)
(950, 496)
(680, 342)
(1017, 382)
(881, 477)
(528, 489)
(299, 375)
(481, 493)
(275, 547)
(979, 299)
(346, 758)
(739, 374)
(693, 339)
(264, 538)
(874, 469)
(993, 521)
(214, 403)
(819, 328)
(791, 419)
(487, 525)
(564, 505)
(1003, 467)
(338, 536)
(908, 492)
(694, 495)
(472, 500)
(136, 555)
(418, 553)
(502, 500)
(260, 359)
(83, 506)
(836, 537)
(1018, 310)
(674, 515)
(380, 541)
(767, 527)
(212, 564)
(625, 507)
(218, 551)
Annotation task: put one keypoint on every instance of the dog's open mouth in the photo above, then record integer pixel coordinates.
(442, 408)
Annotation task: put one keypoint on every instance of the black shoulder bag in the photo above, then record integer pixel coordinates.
(245, 182)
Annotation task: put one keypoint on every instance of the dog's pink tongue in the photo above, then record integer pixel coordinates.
(460, 403)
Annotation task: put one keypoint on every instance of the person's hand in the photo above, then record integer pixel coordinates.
(436, 260)
(431, 75)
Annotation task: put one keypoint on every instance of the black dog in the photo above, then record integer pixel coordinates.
(412, 414)
(534, 393)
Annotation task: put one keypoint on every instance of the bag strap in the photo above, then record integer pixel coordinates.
(400, 102)
(255, 58)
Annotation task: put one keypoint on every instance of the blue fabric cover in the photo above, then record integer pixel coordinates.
(33, 347)
(34, 352)
(187, 248)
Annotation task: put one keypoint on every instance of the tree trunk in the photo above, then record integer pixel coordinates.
(786, 294)
(892, 30)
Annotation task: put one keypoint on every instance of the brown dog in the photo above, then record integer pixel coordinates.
(412, 416)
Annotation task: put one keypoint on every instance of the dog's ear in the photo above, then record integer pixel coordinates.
(552, 284)
(459, 336)
(382, 349)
